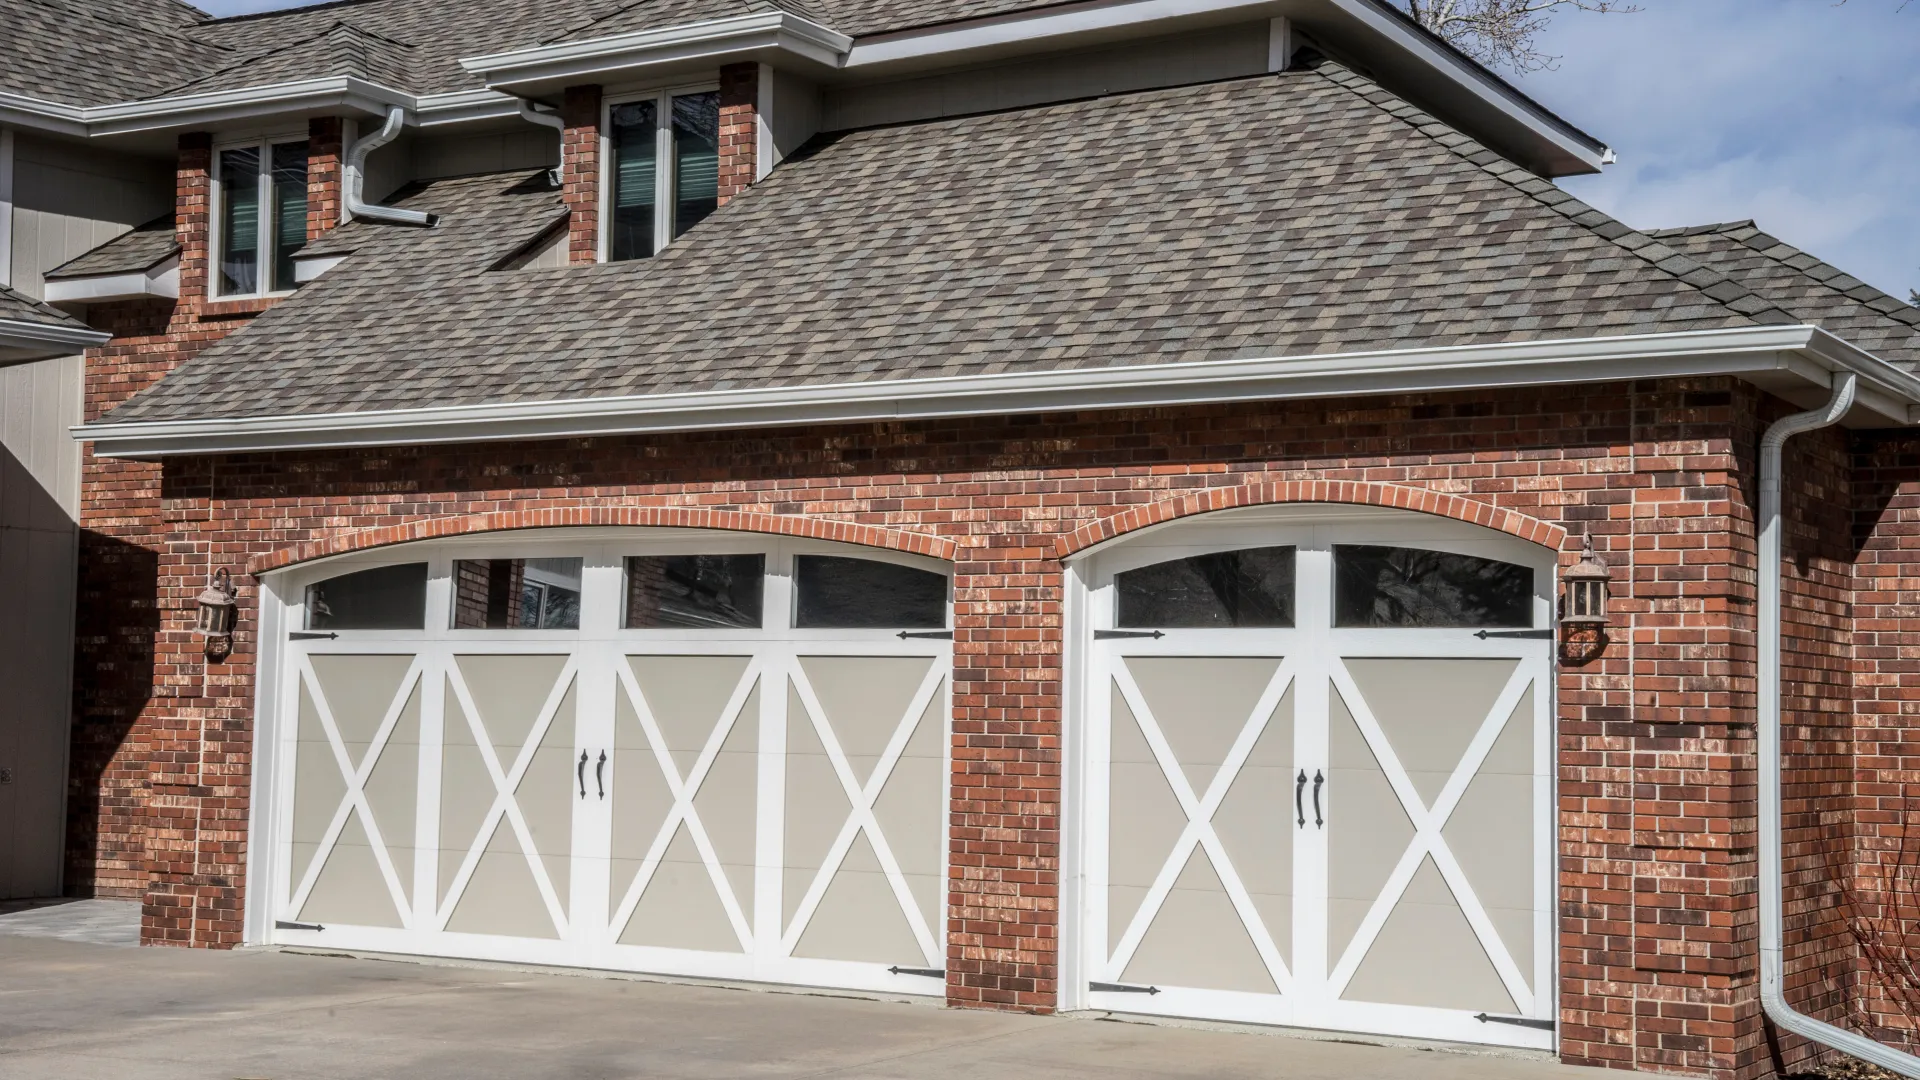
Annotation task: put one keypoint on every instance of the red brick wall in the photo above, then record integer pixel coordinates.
(580, 171)
(1884, 910)
(326, 165)
(140, 824)
(739, 127)
(1656, 742)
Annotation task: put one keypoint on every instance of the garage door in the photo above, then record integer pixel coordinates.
(1317, 782)
(679, 752)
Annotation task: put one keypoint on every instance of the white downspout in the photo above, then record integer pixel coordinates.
(1772, 899)
(358, 209)
(554, 121)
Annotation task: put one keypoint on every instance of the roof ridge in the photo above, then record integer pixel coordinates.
(1700, 230)
(249, 59)
(1727, 291)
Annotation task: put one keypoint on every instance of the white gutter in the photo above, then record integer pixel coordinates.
(23, 342)
(358, 209)
(571, 61)
(1786, 359)
(199, 110)
(1773, 999)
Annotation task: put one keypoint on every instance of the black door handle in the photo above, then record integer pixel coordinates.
(1299, 809)
(1318, 821)
(600, 772)
(583, 774)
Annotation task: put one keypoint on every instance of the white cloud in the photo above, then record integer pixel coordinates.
(1802, 114)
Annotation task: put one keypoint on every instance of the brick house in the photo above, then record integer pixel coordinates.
(1067, 508)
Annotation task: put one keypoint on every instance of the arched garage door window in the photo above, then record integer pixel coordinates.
(1316, 781)
(689, 752)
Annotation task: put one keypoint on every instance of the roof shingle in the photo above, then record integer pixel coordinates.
(1308, 212)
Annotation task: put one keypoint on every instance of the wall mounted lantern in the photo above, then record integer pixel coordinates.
(218, 609)
(1583, 592)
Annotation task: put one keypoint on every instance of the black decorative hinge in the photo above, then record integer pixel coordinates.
(1516, 1021)
(1540, 635)
(1121, 988)
(282, 924)
(309, 635)
(946, 634)
(1103, 635)
(928, 973)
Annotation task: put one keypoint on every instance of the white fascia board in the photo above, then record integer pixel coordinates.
(1037, 27)
(585, 60)
(255, 101)
(1793, 354)
(61, 340)
(53, 117)
(305, 270)
(461, 106)
(1494, 94)
(161, 280)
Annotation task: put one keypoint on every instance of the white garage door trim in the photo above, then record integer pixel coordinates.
(1311, 976)
(765, 935)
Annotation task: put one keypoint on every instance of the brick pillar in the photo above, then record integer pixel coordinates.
(739, 127)
(326, 169)
(192, 213)
(580, 171)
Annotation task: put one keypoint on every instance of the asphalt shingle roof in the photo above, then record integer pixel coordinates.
(1814, 291)
(86, 52)
(1301, 213)
(17, 306)
(138, 249)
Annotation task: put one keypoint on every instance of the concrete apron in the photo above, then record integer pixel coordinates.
(71, 1010)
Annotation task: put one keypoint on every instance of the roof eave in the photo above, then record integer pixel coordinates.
(546, 68)
(161, 280)
(1795, 361)
(23, 342)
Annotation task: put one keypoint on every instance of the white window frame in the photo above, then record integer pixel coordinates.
(664, 173)
(216, 214)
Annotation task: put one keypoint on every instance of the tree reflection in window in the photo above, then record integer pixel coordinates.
(1415, 587)
(694, 591)
(1246, 588)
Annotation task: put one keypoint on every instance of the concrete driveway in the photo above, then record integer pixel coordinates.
(74, 1011)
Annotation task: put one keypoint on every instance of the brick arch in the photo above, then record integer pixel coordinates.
(677, 517)
(1397, 496)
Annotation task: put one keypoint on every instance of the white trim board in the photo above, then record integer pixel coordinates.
(1788, 360)
(550, 66)
(6, 206)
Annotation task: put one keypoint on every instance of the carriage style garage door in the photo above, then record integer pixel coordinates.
(1316, 786)
(683, 752)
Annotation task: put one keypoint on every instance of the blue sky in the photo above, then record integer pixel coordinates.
(1802, 114)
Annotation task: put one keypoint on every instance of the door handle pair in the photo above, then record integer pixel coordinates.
(599, 774)
(1299, 810)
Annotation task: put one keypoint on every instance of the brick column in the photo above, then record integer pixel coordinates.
(580, 171)
(326, 170)
(192, 210)
(739, 127)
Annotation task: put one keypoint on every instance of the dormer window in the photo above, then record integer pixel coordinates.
(663, 154)
(261, 189)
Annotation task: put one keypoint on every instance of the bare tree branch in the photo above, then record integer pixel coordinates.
(1501, 33)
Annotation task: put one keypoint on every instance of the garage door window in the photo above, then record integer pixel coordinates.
(695, 591)
(1245, 588)
(1415, 587)
(383, 598)
(840, 593)
(516, 594)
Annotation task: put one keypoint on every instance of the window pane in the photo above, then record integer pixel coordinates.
(635, 190)
(694, 590)
(516, 594)
(1250, 587)
(383, 598)
(1406, 587)
(240, 220)
(696, 159)
(289, 209)
(862, 593)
